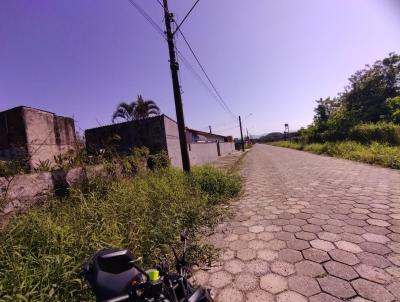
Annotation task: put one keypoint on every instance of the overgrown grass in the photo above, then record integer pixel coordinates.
(374, 153)
(41, 252)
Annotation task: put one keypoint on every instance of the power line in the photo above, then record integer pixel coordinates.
(148, 18)
(222, 101)
(214, 94)
(226, 129)
(187, 15)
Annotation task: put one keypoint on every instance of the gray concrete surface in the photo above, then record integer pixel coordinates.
(309, 228)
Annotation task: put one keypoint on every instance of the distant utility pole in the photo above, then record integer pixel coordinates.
(248, 137)
(177, 88)
(241, 132)
(287, 133)
(210, 129)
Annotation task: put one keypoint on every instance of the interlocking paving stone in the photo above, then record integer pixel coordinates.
(289, 255)
(297, 244)
(259, 295)
(304, 285)
(344, 257)
(336, 287)
(220, 279)
(322, 245)
(290, 296)
(308, 228)
(315, 255)
(374, 274)
(340, 270)
(374, 259)
(372, 291)
(283, 268)
(230, 294)
(348, 246)
(273, 283)
(245, 281)
(267, 255)
(246, 254)
(375, 248)
(323, 297)
(309, 268)
(234, 266)
(394, 289)
(258, 267)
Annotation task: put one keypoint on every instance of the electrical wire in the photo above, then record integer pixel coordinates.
(187, 64)
(148, 18)
(226, 129)
(221, 100)
(187, 15)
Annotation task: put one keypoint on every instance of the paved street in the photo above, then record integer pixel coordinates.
(309, 228)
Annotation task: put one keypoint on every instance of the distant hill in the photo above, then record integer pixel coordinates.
(271, 137)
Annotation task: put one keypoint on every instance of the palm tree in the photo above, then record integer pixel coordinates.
(137, 110)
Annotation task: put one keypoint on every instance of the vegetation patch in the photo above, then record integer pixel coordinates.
(42, 251)
(375, 153)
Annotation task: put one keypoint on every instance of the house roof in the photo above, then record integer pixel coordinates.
(203, 132)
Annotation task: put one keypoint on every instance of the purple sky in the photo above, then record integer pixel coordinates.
(273, 59)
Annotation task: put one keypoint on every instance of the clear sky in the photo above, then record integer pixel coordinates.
(272, 59)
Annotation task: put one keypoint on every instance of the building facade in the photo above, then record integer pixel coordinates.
(35, 134)
(158, 133)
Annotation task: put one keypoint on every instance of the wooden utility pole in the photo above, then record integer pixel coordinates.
(177, 88)
(210, 129)
(241, 132)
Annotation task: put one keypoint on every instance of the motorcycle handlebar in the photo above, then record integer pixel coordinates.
(118, 299)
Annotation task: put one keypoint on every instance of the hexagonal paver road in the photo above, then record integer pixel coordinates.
(309, 228)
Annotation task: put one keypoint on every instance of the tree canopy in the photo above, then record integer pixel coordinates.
(372, 95)
(136, 110)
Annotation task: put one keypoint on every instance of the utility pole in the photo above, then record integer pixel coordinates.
(248, 137)
(177, 88)
(241, 132)
(210, 129)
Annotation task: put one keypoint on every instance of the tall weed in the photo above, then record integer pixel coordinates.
(41, 251)
(374, 153)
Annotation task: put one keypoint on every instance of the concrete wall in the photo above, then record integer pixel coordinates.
(48, 135)
(28, 189)
(39, 134)
(157, 133)
(12, 134)
(148, 132)
(202, 153)
(172, 142)
(226, 148)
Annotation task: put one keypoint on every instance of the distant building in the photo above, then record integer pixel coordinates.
(197, 136)
(36, 134)
(158, 133)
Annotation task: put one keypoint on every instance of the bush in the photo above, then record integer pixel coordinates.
(382, 132)
(41, 251)
(218, 185)
(375, 153)
(158, 161)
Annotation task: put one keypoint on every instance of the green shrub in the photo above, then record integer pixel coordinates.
(288, 144)
(375, 153)
(394, 109)
(381, 132)
(41, 251)
(217, 184)
(158, 161)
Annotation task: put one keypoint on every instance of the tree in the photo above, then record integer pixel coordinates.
(137, 110)
(365, 96)
(394, 109)
(325, 108)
